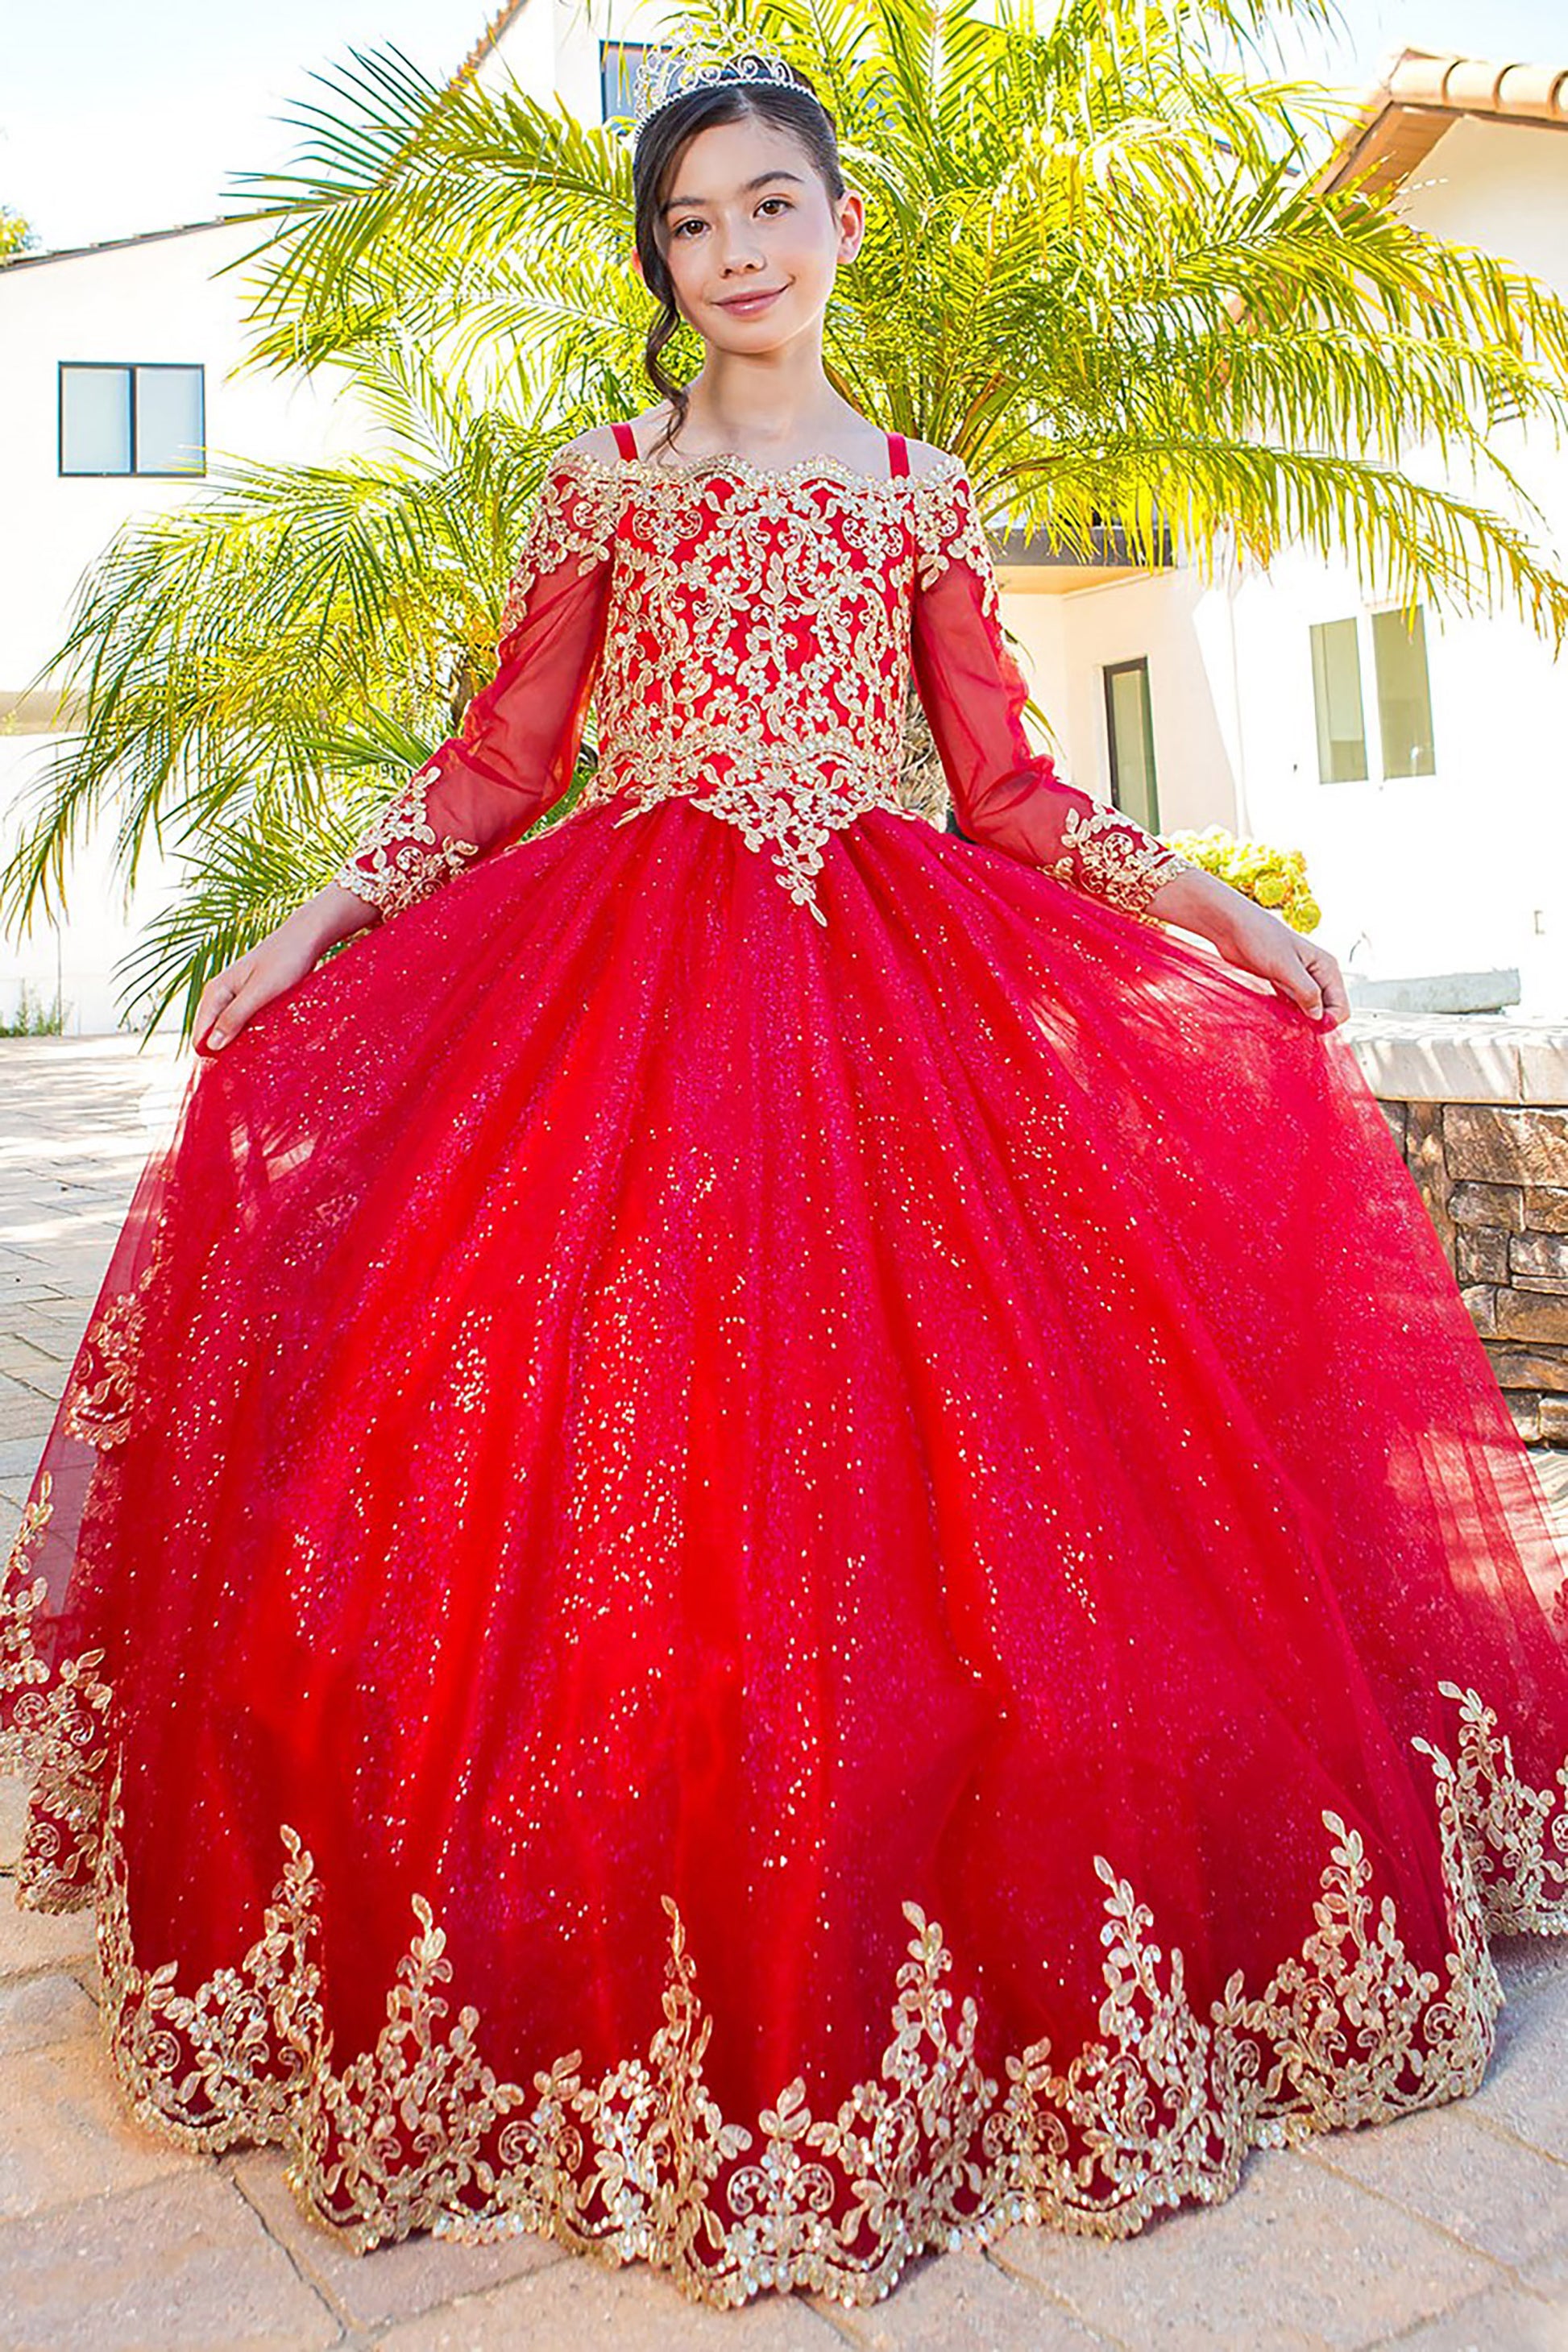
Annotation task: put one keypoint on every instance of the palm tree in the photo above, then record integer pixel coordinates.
(16, 236)
(1102, 264)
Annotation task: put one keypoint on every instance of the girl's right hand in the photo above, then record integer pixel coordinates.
(274, 965)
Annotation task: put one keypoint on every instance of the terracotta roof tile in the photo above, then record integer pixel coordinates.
(1422, 91)
(498, 24)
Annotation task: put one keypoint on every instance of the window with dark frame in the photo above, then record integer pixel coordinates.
(143, 417)
(1129, 736)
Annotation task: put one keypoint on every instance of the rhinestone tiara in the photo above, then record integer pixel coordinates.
(675, 73)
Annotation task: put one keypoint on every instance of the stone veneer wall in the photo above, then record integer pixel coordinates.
(1478, 1106)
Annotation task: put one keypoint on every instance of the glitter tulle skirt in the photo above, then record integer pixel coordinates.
(765, 1594)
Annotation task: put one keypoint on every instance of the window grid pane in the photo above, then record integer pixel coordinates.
(1337, 699)
(95, 420)
(169, 420)
(1404, 693)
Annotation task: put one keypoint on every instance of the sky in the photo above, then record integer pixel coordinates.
(115, 120)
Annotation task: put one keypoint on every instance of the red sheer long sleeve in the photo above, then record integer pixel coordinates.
(1006, 793)
(521, 734)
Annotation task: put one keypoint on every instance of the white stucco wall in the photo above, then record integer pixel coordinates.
(1169, 619)
(1482, 847)
(156, 300)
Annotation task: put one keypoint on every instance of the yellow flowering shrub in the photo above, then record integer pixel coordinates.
(1277, 878)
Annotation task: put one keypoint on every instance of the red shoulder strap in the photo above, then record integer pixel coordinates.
(898, 454)
(625, 439)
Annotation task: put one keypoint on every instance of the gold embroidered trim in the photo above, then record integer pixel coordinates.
(102, 1395)
(58, 1728)
(403, 859)
(57, 1733)
(1517, 1836)
(418, 2133)
(22, 1595)
(1110, 857)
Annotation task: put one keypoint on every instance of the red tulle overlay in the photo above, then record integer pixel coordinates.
(766, 1592)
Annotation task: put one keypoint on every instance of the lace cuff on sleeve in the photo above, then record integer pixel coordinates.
(517, 745)
(1004, 793)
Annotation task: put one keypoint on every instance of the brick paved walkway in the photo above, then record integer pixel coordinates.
(1446, 2231)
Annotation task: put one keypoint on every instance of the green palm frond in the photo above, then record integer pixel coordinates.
(241, 879)
(217, 647)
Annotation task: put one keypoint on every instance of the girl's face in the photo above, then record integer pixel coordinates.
(752, 237)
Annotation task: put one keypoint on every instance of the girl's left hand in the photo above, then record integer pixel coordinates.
(1299, 969)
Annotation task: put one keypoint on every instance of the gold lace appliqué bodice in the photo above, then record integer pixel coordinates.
(757, 646)
(750, 637)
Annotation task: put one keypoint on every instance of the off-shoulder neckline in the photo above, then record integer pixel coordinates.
(821, 468)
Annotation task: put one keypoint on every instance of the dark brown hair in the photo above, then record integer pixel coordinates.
(793, 107)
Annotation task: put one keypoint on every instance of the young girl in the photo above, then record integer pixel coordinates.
(779, 1540)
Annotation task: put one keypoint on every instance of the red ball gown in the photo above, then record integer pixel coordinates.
(779, 1540)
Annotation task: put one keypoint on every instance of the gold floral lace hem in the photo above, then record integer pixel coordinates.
(56, 1735)
(100, 1403)
(932, 2152)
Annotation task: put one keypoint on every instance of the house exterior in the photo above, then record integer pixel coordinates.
(1420, 773)
(1420, 770)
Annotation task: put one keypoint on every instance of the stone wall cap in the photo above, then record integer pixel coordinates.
(1379, 1020)
(1490, 1057)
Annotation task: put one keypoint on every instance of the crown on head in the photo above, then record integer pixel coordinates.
(675, 73)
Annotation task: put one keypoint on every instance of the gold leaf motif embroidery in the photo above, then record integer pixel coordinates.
(418, 2133)
(1114, 860)
(103, 1390)
(1344, 2025)
(788, 803)
(760, 641)
(229, 2062)
(57, 1733)
(1518, 1834)
(21, 1598)
(562, 524)
(947, 530)
(403, 859)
